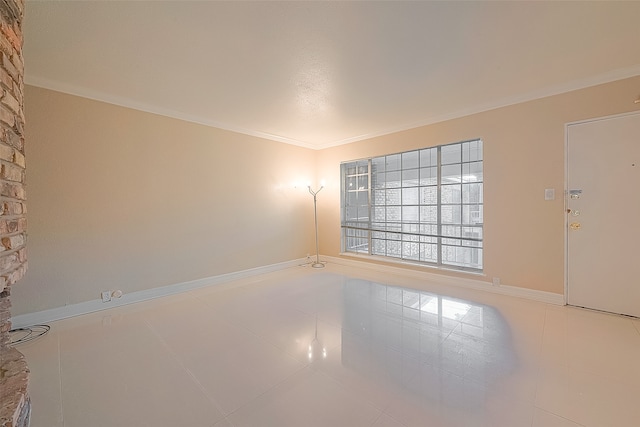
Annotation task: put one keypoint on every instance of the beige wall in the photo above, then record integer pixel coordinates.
(523, 154)
(122, 199)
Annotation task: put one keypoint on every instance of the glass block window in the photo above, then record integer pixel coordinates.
(423, 206)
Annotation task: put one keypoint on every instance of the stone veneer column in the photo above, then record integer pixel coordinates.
(15, 406)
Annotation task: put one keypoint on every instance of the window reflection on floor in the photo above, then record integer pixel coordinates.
(436, 346)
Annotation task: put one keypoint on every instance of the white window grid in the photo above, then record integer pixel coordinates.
(423, 206)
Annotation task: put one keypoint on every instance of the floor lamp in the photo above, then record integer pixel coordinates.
(316, 264)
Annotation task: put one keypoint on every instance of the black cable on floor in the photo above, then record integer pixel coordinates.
(29, 334)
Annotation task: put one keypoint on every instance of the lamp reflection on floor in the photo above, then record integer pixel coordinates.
(315, 347)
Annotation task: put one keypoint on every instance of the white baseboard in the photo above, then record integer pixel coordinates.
(71, 310)
(467, 283)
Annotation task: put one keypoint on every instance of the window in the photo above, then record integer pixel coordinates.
(422, 206)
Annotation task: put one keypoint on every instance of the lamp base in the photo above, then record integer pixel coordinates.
(317, 265)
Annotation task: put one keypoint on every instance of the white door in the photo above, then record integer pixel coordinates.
(603, 200)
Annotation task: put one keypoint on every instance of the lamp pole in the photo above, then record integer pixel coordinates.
(316, 264)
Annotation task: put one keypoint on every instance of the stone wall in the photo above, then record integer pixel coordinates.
(14, 373)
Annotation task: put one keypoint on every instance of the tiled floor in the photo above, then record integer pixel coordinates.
(337, 347)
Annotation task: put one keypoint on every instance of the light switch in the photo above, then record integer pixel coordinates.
(549, 193)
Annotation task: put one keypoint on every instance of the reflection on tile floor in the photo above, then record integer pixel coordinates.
(337, 347)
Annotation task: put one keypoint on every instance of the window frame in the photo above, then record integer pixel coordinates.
(466, 191)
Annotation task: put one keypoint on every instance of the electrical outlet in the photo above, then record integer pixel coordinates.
(106, 296)
(496, 281)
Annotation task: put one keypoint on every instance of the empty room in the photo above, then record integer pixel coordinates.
(318, 213)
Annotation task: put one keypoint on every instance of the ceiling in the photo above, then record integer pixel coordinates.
(319, 74)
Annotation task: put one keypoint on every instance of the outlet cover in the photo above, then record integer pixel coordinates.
(549, 193)
(106, 296)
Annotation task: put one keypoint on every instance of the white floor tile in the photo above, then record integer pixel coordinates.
(121, 374)
(340, 347)
(587, 399)
(555, 339)
(603, 344)
(308, 398)
(229, 362)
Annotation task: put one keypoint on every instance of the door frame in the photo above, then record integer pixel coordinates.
(566, 189)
